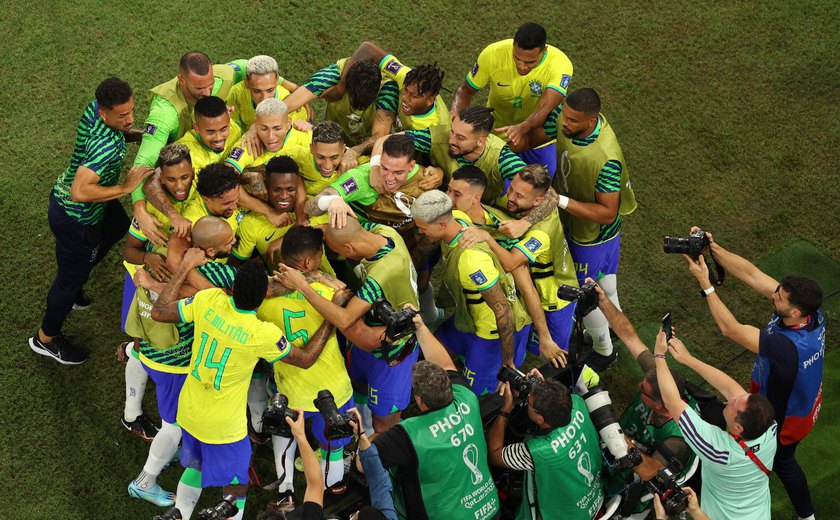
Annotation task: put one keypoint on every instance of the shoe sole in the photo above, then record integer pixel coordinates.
(48, 353)
(77, 307)
(134, 493)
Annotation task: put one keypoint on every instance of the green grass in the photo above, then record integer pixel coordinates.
(726, 112)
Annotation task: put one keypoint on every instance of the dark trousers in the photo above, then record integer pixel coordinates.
(793, 478)
(78, 248)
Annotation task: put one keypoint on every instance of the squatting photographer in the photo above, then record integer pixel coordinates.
(789, 355)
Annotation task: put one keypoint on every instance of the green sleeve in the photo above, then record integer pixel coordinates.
(354, 186)
(239, 69)
(161, 127)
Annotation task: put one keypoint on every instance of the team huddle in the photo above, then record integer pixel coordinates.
(280, 264)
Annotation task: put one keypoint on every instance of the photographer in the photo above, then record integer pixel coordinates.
(736, 484)
(562, 461)
(789, 356)
(313, 498)
(693, 507)
(440, 456)
(646, 420)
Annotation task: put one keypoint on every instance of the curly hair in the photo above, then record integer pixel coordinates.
(216, 179)
(327, 132)
(363, 80)
(113, 91)
(428, 78)
(250, 285)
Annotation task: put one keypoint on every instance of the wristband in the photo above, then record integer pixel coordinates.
(506, 415)
(376, 160)
(706, 292)
(660, 356)
(324, 201)
(562, 201)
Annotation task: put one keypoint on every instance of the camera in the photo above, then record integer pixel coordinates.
(398, 324)
(585, 297)
(223, 510)
(173, 513)
(338, 424)
(519, 382)
(601, 412)
(274, 417)
(692, 245)
(673, 498)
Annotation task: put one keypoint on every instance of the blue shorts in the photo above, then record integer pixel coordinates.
(318, 425)
(596, 260)
(128, 295)
(167, 389)
(559, 323)
(219, 464)
(482, 357)
(389, 387)
(544, 155)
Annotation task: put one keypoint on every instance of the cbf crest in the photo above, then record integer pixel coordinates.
(536, 87)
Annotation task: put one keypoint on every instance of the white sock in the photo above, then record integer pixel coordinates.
(807, 518)
(428, 309)
(284, 461)
(240, 513)
(609, 284)
(135, 384)
(336, 467)
(598, 327)
(257, 401)
(161, 451)
(367, 419)
(186, 498)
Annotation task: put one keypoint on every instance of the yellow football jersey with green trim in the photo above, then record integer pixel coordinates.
(197, 209)
(201, 155)
(392, 68)
(228, 343)
(477, 273)
(313, 181)
(243, 105)
(299, 321)
(514, 97)
(240, 159)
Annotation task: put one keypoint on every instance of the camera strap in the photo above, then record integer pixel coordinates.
(749, 453)
(719, 275)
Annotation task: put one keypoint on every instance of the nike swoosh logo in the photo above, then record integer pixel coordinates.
(501, 84)
(269, 237)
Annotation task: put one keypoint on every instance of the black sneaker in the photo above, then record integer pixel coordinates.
(141, 427)
(59, 349)
(82, 301)
(599, 362)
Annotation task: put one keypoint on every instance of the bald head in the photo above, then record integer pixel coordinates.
(344, 235)
(211, 233)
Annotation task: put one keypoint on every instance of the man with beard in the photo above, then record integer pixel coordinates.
(218, 187)
(212, 137)
(789, 356)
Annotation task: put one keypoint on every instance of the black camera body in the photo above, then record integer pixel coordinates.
(585, 297)
(692, 245)
(223, 510)
(173, 513)
(519, 382)
(398, 324)
(673, 498)
(338, 424)
(274, 417)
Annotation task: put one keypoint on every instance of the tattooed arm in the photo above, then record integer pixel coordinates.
(548, 205)
(166, 307)
(311, 207)
(494, 297)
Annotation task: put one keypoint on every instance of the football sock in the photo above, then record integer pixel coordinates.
(609, 284)
(161, 452)
(284, 461)
(598, 327)
(332, 466)
(135, 384)
(257, 401)
(189, 491)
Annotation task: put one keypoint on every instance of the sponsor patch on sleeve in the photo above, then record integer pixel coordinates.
(135, 224)
(565, 80)
(533, 244)
(393, 66)
(474, 70)
(150, 129)
(478, 278)
(234, 66)
(349, 186)
(283, 345)
(189, 300)
(236, 153)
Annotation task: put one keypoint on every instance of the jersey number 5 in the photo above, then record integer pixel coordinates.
(219, 365)
(292, 334)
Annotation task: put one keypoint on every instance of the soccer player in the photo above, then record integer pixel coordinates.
(275, 131)
(166, 358)
(594, 193)
(528, 79)
(213, 136)
(85, 214)
(171, 116)
(352, 192)
(262, 81)
(319, 163)
(357, 99)
(229, 340)
(539, 261)
(218, 189)
(386, 273)
(302, 249)
(489, 318)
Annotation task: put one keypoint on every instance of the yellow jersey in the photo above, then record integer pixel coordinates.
(244, 110)
(240, 159)
(197, 209)
(228, 343)
(299, 321)
(201, 155)
(313, 181)
(514, 97)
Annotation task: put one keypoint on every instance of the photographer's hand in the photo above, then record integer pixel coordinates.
(507, 393)
(679, 352)
(358, 429)
(661, 346)
(535, 372)
(708, 235)
(659, 509)
(297, 426)
(700, 271)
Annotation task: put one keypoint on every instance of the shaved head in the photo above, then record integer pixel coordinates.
(344, 235)
(211, 232)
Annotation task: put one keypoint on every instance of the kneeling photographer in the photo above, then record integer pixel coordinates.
(646, 420)
(562, 460)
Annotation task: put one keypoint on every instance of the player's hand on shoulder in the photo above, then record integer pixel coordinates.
(136, 175)
(349, 160)
(471, 236)
(432, 178)
(194, 257)
(514, 228)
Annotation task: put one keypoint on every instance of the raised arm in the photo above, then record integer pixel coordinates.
(724, 384)
(620, 324)
(433, 350)
(742, 269)
(165, 308)
(86, 188)
(311, 466)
